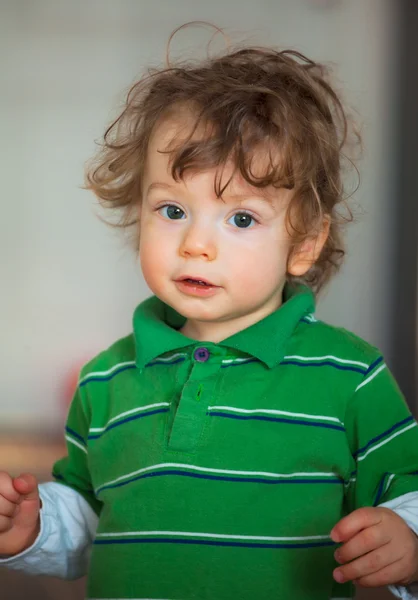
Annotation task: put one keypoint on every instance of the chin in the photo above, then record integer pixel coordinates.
(193, 310)
(195, 314)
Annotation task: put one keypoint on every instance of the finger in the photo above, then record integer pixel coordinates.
(367, 540)
(6, 488)
(6, 523)
(389, 575)
(27, 485)
(355, 522)
(29, 503)
(367, 564)
(7, 508)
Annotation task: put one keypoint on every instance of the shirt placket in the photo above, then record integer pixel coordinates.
(197, 394)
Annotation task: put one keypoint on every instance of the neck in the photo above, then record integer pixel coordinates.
(217, 331)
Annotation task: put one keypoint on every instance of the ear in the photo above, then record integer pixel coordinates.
(306, 255)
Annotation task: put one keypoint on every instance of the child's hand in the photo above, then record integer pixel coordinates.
(378, 547)
(19, 513)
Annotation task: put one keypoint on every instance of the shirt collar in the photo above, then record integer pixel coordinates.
(156, 328)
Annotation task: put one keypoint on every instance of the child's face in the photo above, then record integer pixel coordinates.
(220, 263)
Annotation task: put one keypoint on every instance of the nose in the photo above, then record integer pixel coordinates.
(198, 242)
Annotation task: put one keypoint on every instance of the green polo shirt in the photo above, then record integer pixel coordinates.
(219, 470)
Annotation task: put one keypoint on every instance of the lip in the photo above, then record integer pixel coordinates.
(189, 288)
(195, 278)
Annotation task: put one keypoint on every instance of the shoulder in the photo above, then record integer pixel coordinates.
(121, 354)
(321, 339)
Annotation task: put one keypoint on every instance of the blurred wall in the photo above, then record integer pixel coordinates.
(404, 343)
(68, 283)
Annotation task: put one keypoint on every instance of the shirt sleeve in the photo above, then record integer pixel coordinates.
(407, 508)
(70, 509)
(73, 470)
(62, 548)
(383, 438)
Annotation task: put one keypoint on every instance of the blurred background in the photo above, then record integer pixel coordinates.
(69, 284)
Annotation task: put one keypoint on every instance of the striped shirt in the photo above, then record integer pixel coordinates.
(218, 470)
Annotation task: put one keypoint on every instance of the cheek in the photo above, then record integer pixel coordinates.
(260, 264)
(149, 264)
(154, 253)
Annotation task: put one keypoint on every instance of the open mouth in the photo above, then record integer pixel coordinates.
(196, 286)
(196, 281)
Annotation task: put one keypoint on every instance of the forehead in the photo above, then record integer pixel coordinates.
(172, 132)
(168, 134)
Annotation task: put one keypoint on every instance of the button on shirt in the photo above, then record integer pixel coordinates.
(201, 354)
(218, 470)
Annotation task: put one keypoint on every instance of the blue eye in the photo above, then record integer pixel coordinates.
(242, 220)
(171, 211)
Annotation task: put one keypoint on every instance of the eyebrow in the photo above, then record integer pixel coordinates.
(235, 197)
(159, 185)
(243, 197)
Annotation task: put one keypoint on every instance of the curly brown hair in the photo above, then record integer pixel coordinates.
(249, 102)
